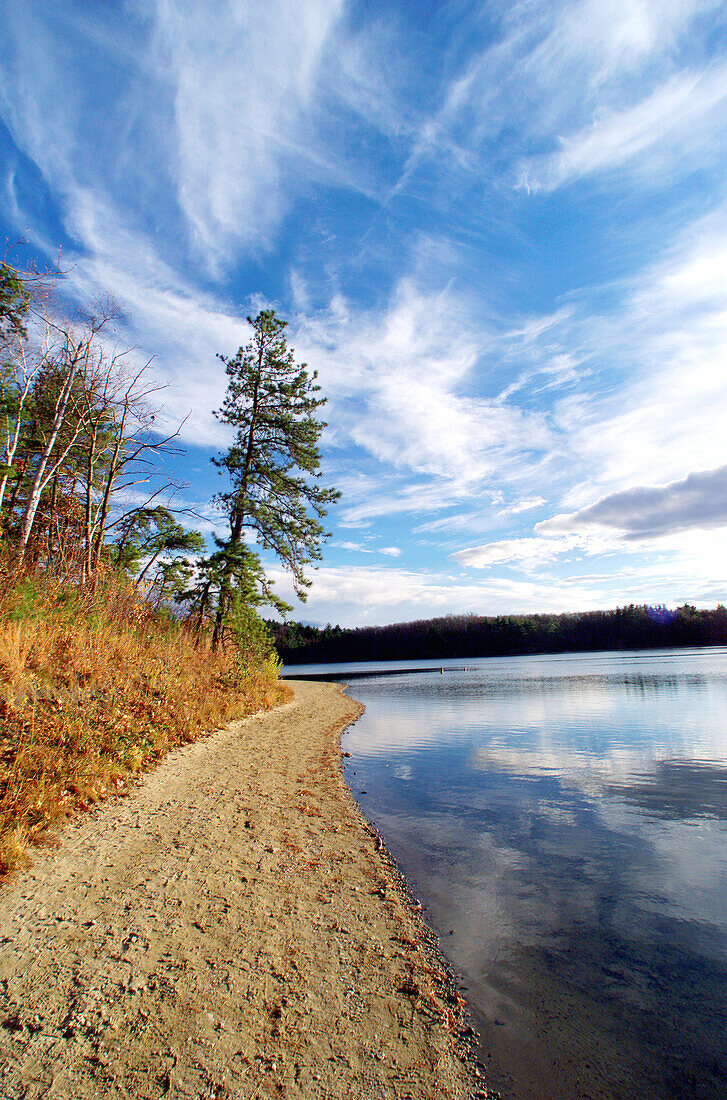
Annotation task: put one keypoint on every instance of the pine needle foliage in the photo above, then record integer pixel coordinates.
(273, 466)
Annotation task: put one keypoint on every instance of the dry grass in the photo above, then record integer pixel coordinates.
(93, 689)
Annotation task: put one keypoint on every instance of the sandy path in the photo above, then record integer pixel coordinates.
(228, 930)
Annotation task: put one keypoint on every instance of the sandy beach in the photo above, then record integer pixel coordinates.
(232, 928)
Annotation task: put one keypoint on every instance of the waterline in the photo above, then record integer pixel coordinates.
(564, 820)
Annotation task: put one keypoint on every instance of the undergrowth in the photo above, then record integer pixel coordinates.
(95, 687)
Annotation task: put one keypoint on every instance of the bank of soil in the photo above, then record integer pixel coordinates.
(230, 929)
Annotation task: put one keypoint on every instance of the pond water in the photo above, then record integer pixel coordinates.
(563, 820)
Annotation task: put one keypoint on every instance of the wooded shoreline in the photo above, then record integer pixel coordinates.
(470, 636)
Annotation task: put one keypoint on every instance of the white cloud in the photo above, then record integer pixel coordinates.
(530, 552)
(651, 402)
(691, 275)
(166, 316)
(577, 68)
(244, 79)
(401, 383)
(391, 551)
(522, 506)
(417, 498)
(699, 501)
(360, 596)
(687, 111)
(669, 568)
(603, 41)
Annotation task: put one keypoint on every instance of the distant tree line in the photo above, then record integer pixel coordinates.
(466, 636)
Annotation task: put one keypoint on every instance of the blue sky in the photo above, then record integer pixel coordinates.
(498, 231)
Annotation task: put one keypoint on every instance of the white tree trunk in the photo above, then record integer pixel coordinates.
(40, 478)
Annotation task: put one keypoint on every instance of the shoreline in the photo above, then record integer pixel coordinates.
(229, 930)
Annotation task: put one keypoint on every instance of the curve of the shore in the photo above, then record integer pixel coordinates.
(232, 928)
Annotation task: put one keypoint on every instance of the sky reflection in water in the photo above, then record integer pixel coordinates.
(563, 820)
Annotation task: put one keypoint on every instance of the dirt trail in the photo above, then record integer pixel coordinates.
(228, 930)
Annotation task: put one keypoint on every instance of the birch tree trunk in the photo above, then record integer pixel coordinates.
(23, 378)
(42, 475)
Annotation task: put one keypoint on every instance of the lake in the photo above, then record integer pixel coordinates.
(563, 820)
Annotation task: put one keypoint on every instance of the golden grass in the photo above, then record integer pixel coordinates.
(93, 688)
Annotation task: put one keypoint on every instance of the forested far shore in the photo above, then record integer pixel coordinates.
(636, 626)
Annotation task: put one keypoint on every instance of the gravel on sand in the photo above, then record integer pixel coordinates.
(232, 928)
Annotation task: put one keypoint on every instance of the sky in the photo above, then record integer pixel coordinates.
(497, 230)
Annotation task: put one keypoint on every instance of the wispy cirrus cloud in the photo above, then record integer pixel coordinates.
(649, 402)
(403, 384)
(684, 115)
(579, 86)
(212, 131)
(526, 552)
(244, 82)
(371, 548)
(522, 506)
(603, 41)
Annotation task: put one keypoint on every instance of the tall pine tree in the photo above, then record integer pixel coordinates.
(274, 470)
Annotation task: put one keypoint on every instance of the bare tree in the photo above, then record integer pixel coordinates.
(71, 350)
(134, 447)
(17, 377)
(78, 431)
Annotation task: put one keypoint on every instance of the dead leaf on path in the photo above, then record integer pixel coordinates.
(308, 810)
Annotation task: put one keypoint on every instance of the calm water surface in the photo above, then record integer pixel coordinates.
(564, 821)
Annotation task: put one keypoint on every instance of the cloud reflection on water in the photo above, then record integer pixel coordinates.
(570, 831)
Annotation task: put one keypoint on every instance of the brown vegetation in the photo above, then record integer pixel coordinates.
(202, 938)
(99, 676)
(94, 686)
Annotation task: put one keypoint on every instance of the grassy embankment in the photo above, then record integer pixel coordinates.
(93, 688)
